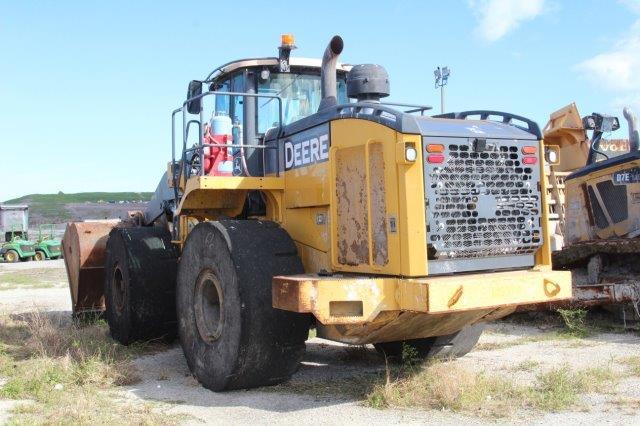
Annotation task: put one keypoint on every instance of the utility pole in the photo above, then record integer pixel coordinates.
(442, 78)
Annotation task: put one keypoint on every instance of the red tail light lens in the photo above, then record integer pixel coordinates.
(435, 158)
(529, 160)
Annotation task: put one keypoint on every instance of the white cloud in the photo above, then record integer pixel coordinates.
(499, 17)
(634, 5)
(617, 70)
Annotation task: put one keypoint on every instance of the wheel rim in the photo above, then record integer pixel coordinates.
(209, 306)
(118, 289)
(11, 257)
(39, 256)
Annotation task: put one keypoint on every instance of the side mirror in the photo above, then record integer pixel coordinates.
(195, 89)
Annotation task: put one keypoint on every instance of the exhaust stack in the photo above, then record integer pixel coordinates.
(634, 136)
(328, 79)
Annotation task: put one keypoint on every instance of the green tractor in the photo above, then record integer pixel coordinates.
(46, 246)
(17, 247)
(14, 223)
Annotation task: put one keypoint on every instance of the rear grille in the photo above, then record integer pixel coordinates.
(614, 198)
(482, 204)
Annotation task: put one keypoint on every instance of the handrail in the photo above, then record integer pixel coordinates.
(415, 108)
(186, 124)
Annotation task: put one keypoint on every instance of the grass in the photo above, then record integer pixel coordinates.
(526, 366)
(451, 386)
(51, 208)
(81, 197)
(447, 386)
(560, 388)
(13, 280)
(535, 338)
(632, 363)
(575, 321)
(68, 373)
(312, 333)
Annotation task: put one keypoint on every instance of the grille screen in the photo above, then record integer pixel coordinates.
(614, 198)
(26, 247)
(598, 214)
(482, 202)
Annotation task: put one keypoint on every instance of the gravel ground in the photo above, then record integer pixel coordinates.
(166, 379)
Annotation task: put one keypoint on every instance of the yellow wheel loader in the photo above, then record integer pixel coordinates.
(595, 205)
(287, 206)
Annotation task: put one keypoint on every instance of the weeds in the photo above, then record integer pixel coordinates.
(561, 387)
(313, 333)
(632, 363)
(66, 371)
(451, 386)
(528, 365)
(447, 385)
(410, 355)
(575, 321)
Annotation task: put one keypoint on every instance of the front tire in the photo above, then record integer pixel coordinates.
(140, 276)
(231, 335)
(440, 347)
(40, 256)
(11, 256)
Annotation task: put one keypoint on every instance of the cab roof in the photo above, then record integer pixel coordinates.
(267, 62)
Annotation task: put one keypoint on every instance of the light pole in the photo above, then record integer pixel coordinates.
(442, 78)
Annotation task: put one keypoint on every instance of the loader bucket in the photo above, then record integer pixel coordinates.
(84, 245)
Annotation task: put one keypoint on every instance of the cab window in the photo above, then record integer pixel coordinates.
(300, 95)
(230, 105)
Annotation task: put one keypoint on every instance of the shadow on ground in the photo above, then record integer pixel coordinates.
(329, 374)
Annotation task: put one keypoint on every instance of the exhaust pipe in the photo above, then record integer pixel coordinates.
(328, 77)
(634, 136)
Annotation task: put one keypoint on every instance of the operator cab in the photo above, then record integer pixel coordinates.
(243, 119)
(299, 89)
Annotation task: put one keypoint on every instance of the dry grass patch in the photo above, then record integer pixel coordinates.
(632, 363)
(528, 366)
(560, 388)
(67, 370)
(452, 386)
(32, 278)
(535, 338)
(11, 281)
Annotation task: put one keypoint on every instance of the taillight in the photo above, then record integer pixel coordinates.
(435, 158)
(435, 147)
(528, 150)
(529, 160)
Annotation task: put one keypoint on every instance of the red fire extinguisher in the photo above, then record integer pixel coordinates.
(218, 161)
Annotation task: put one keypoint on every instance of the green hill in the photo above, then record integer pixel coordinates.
(57, 208)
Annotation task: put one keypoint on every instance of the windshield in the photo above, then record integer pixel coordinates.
(300, 95)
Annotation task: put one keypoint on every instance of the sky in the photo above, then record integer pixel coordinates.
(87, 87)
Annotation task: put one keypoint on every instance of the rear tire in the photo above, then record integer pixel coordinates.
(440, 347)
(11, 256)
(40, 256)
(140, 276)
(231, 335)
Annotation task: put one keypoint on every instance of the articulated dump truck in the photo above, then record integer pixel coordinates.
(286, 206)
(594, 202)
